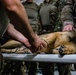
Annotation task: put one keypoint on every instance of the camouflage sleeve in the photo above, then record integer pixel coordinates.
(66, 13)
(40, 5)
(54, 2)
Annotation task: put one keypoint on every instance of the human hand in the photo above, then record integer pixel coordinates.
(37, 44)
(26, 43)
(68, 28)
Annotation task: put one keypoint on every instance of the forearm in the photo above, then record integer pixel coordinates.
(18, 14)
(14, 34)
(66, 15)
(19, 19)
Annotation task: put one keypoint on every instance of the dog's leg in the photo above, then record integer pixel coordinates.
(11, 44)
(50, 39)
(69, 48)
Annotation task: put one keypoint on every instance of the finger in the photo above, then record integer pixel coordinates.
(41, 47)
(45, 43)
(28, 45)
(70, 29)
(33, 49)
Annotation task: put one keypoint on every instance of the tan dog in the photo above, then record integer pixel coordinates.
(58, 42)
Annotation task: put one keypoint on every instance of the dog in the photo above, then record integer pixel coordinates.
(60, 42)
(57, 43)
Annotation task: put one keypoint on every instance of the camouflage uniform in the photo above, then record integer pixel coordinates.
(68, 14)
(59, 4)
(64, 69)
(48, 15)
(32, 12)
(48, 18)
(3, 21)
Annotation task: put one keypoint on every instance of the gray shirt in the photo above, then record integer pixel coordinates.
(3, 21)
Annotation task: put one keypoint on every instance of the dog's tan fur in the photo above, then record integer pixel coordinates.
(57, 39)
(58, 42)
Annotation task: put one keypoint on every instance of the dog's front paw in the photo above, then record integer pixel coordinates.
(59, 50)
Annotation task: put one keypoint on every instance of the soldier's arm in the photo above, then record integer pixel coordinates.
(11, 32)
(66, 16)
(18, 17)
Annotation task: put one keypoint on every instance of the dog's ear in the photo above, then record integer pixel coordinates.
(74, 32)
(72, 39)
(72, 36)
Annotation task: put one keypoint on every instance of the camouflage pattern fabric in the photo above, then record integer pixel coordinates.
(64, 69)
(59, 4)
(68, 14)
(3, 21)
(48, 24)
(33, 15)
(47, 68)
(49, 11)
(64, 15)
(13, 67)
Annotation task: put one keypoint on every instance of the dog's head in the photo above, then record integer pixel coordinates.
(72, 36)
